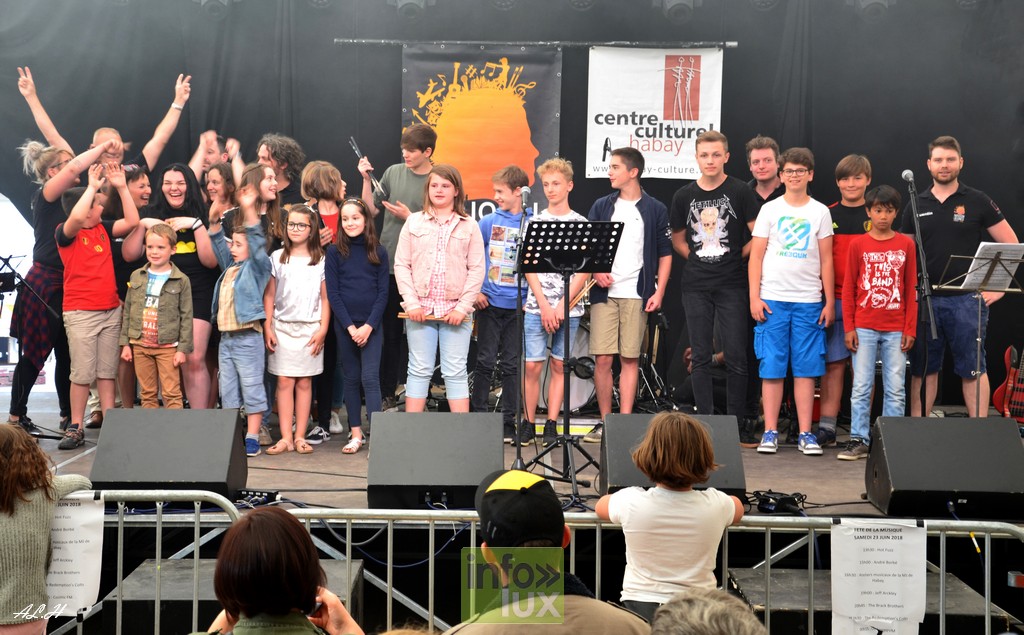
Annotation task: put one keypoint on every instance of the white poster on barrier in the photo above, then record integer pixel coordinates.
(655, 100)
(73, 581)
(878, 576)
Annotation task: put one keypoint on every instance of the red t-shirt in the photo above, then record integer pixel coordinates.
(89, 283)
(879, 292)
(847, 224)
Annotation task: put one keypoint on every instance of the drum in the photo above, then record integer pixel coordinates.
(581, 391)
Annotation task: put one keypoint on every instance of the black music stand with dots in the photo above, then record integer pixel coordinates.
(568, 248)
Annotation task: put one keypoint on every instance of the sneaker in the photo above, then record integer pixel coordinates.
(526, 433)
(855, 449)
(808, 444)
(595, 435)
(825, 437)
(73, 438)
(336, 426)
(769, 442)
(389, 404)
(65, 421)
(27, 425)
(748, 439)
(252, 447)
(508, 432)
(94, 420)
(265, 438)
(317, 435)
(550, 432)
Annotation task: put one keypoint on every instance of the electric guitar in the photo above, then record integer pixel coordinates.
(1008, 398)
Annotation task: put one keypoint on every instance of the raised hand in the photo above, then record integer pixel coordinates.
(182, 89)
(96, 178)
(26, 86)
(115, 175)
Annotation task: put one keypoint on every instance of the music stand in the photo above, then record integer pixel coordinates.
(991, 268)
(568, 248)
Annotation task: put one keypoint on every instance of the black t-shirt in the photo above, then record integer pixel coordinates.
(291, 195)
(45, 218)
(716, 229)
(186, 255)
(779, 191)
(954, 227)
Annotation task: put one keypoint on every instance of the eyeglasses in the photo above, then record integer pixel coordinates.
(796, 172)
(298, 226)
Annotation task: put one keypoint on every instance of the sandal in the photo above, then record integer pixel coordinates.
(353, 446)
(302, 447)
(280, 447)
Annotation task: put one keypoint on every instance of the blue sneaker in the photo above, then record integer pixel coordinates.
(769, 442)
(252, 447)
(808, 444)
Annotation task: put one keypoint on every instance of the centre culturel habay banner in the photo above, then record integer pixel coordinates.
(655, 100)
(491, 106)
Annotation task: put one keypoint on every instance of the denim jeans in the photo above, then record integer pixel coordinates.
(497, 331)
(241, 371)
(871, 346)
(424, 339)
(722, 313)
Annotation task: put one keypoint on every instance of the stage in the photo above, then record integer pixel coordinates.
(332, 479)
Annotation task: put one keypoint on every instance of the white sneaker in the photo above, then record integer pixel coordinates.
(769, 442)
(336, 427)
(808, 444)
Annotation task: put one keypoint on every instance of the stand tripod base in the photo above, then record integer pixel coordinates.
(569, 445)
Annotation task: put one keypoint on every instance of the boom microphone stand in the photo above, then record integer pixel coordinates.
(924, 286)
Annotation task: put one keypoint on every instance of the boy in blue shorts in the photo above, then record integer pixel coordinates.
(544, 311)
(790, 271)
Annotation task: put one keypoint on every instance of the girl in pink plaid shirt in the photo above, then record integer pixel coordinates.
(439, 268)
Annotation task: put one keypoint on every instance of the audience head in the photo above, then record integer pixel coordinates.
(267, 564)
(282, 153)
(676, 451)
(176, 193)
(520, 509)
(322, 181)
(24, 467)
(705, 612)
(441, 196)
(42, 162)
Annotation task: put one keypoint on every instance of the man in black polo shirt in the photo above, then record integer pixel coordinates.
(955, 219)
(763, 161)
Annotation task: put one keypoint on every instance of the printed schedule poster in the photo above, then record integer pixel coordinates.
(878, 577)
(73, 581)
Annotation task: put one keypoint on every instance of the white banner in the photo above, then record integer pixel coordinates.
(655, 100)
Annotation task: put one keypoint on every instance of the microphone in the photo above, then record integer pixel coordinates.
(908, 176)
(525, 193)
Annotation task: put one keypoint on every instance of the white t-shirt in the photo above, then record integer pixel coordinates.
(671, 539)
(629, 259)
(552, 284)
(297, 296)
(791, 271)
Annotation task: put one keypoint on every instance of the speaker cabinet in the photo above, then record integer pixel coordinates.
(171, 449)
(622, 433)
(440, 458)
(918, 466)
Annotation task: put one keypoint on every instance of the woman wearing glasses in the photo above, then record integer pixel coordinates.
(297, 322)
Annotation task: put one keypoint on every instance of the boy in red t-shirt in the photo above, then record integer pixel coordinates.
(92, 308)
(879, 315)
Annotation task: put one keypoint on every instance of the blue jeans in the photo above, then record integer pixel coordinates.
(241, 371)
(424, 339)
(873, 345)
(362, 370)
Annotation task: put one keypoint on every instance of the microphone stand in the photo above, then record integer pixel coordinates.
(924, 290)
(519, 464)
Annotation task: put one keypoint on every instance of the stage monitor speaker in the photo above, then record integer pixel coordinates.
(440, 458)
(917, 466)
(622, 433)
(171, 449)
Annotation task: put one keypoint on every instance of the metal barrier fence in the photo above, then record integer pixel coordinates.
(387, 521)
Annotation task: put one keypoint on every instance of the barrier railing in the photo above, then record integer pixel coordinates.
(387, 521)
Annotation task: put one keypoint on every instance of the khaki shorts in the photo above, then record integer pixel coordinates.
(617, 327)
(92, 340)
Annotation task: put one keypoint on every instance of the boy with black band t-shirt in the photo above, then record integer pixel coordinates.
(954, 219)
(711, 221)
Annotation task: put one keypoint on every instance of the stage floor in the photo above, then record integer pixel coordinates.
(329, 478)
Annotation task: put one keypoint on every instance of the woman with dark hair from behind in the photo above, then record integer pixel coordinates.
(28, 496)
(268, 579)
(178, 201)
